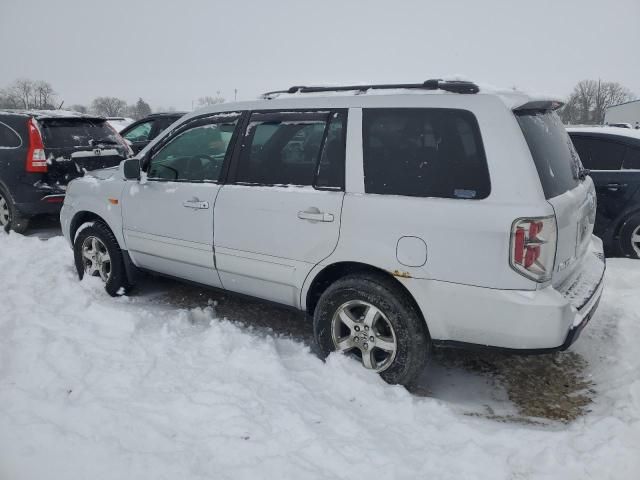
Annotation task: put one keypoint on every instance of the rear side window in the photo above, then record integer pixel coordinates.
(69, 133)
(8, 137)
(599, 154)
(294, 148)
(632, 158)
(424, 152)
(553, 153)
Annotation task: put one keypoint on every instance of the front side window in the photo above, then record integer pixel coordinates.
(424, 152)
(599, 154)
(293, 148)
(139, 133)
(195, 155)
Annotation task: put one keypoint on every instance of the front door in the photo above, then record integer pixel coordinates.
(168, 218)
(280, 214)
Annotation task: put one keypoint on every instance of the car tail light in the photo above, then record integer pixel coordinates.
(36, 160)
(533, 247)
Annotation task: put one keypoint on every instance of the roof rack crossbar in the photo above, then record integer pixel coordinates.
(455, 86)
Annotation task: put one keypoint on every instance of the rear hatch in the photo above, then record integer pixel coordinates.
(565, 186)
(75, 145)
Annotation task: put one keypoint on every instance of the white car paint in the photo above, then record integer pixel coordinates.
(252, 240)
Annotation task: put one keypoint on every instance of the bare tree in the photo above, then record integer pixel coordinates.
(26, 93)
(209, 100)
(590, 99)
(79, 108)
(109, 106)
(43, 95)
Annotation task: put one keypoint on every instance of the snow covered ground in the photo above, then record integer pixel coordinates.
(142, 388)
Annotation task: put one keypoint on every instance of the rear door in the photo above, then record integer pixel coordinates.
(571, 195)
(279, 215)
(168, 219)
(614, 167)
(73, 145)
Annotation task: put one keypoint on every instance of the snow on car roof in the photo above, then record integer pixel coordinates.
(40, 114)
(606, 130)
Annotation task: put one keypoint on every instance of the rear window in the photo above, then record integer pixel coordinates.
(69, 133)
(555, 157)
(424, 152)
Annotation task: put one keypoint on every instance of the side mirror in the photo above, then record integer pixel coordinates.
(131, 169)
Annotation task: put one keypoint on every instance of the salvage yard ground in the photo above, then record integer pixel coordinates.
(181, 382)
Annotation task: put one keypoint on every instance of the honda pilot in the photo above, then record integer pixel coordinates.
(398, 217)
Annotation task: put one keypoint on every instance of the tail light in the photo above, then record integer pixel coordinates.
(36, 160)
(533, 247)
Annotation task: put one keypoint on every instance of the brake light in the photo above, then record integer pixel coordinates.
(533, 247)
(36, 160)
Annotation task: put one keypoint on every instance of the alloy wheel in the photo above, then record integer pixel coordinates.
(635, 240)
(96, 259)
(360, 329)
(4, 212)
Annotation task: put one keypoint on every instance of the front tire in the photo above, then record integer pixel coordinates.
(97, 253)
(630, 237)
(373, 320)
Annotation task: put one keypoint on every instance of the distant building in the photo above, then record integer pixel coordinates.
(628, 112)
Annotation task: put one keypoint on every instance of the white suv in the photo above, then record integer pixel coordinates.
(397, 216)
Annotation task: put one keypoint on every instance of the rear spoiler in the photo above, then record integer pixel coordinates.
(539, 105)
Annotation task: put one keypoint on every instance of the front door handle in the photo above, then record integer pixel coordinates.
(196, 204)
(315, 215)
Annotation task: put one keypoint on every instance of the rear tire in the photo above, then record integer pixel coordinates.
(96, 252)
(395, 343)
(630, 237)
(10, 218)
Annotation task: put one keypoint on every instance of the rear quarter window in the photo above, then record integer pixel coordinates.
(556, 159)
(424, 152)
(9, 138)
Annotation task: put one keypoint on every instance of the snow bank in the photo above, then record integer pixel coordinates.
(128, 388)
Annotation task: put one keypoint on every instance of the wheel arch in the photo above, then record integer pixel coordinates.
(320, 281)
(85, 216)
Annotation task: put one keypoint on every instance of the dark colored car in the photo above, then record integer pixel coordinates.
(41, 151)
(140, 133)
(613, 157)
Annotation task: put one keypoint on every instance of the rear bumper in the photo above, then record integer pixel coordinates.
(535, 321)
(42, 202)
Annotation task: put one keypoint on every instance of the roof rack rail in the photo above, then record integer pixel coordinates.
(455, 86)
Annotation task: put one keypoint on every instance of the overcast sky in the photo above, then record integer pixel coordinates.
(171, 52)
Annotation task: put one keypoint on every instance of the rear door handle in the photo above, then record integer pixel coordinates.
(615, 186)
(196, 204)
(315, 215)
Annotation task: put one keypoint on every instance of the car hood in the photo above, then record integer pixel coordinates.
(102, 174)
